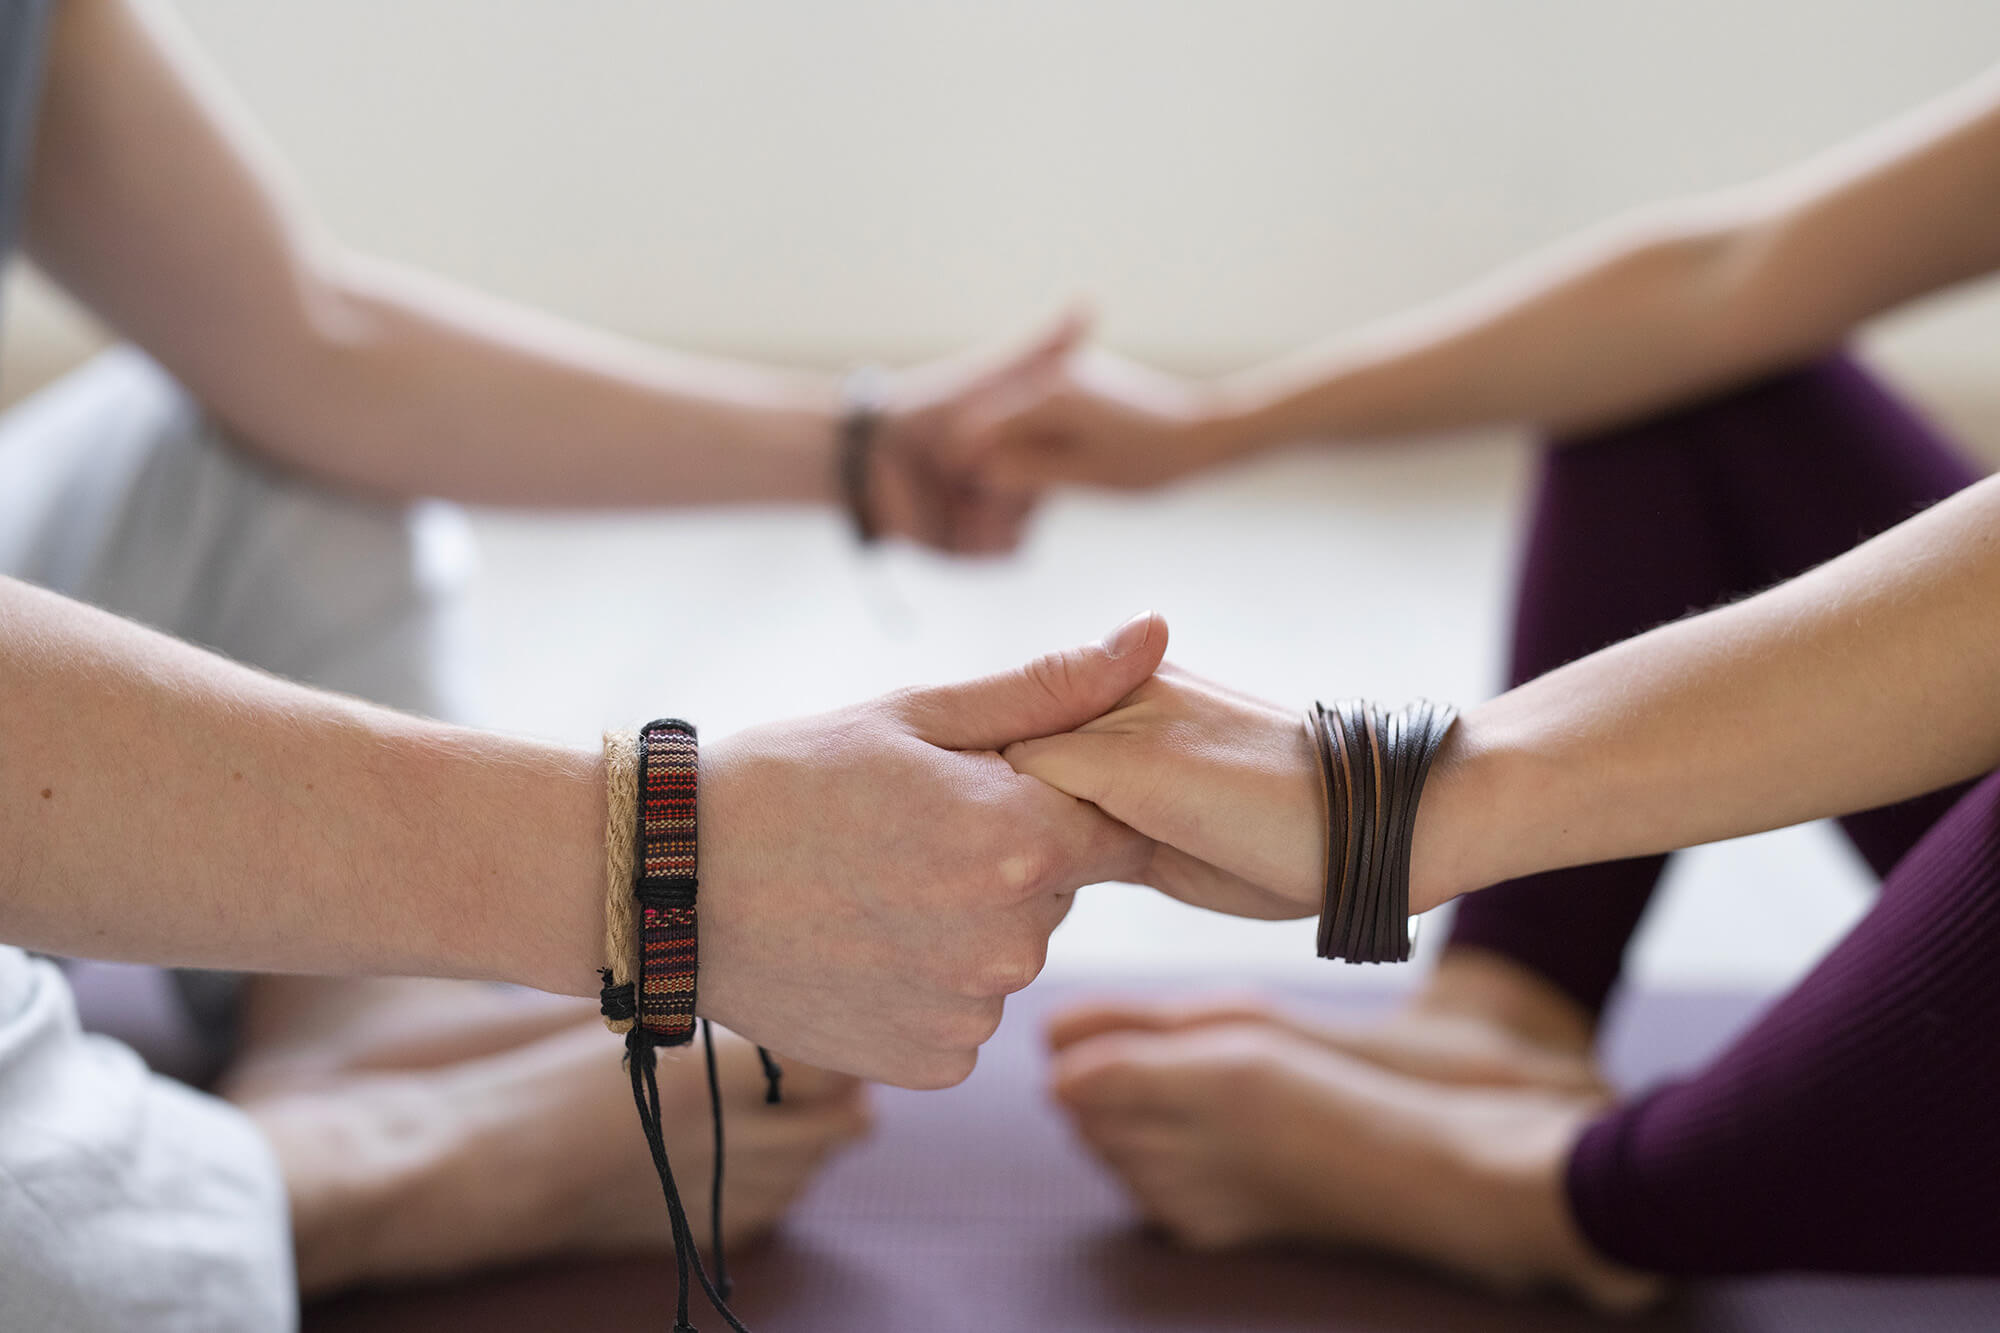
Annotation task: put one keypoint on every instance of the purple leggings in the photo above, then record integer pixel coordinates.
(1853, 1128)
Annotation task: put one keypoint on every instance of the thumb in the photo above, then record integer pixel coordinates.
(1017, 382)
(1051, 694)
(1043, 355)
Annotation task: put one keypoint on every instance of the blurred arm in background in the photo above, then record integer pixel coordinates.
(156, 204)
(1640, 313)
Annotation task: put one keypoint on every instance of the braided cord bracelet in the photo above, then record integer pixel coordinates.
(1372, 767)
(652, 944)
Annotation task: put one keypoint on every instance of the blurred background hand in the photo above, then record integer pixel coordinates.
(1100, 419)
(934, 418)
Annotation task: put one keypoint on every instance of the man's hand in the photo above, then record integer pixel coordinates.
(1226, 785)
(875, 880)
(1099, 420)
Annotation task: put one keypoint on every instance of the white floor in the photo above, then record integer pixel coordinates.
(1376, 572)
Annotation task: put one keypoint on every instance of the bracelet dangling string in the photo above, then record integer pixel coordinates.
(722, 1282)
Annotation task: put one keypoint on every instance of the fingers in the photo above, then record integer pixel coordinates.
(990, 523)
(1048, 350)
(1085, 765)
(1051, 694)
(1121, 1073)
(1031, 450)
(1028, 370)
(1094, 1019)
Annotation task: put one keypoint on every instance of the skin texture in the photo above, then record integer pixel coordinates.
(874, 880)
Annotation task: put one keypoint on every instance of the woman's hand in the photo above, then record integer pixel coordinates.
(1227, 787)
(1101, 420)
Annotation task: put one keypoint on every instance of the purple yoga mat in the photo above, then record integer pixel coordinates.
(972, 1211)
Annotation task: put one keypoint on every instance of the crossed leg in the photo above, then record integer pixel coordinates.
(429, 1127)
(1474, 1124)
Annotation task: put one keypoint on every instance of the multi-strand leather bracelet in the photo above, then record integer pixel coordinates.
(652, 948)
(1372, 766)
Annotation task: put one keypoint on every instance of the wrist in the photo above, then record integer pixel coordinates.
(553, 936)
(785, 426)
(1280, 404)
(1474, 816)
(812, 421)
(1228, 418)
(726, 834)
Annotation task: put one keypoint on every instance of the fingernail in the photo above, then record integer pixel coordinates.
(1127, 636)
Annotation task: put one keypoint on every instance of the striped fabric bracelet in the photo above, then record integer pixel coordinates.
(651, 959)
(664, 880)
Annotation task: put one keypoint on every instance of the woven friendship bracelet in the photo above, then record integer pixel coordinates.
(1372, 769)
(665, 881)
(651, 844)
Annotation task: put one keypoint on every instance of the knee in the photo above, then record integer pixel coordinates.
(180, 524)
(1710, 415)
(344, 592)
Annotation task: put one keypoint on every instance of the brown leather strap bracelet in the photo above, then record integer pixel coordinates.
(860, 424)
(1373, 765)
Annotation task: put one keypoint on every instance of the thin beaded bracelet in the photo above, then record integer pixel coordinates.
(652, 947)
(1372, 767)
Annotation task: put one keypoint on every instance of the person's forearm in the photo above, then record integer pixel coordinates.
(160, 804)
(1665, 304)
(1866, 681)
(157, 205)
(1623, 319)
(402, 383)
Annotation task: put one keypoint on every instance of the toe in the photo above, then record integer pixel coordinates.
(1095, 1018)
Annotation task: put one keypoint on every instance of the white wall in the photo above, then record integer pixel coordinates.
(825, 180)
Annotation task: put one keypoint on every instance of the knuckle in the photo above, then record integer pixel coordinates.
(960, 977)
(1018, 970)
(1028, 870)
(971, 1026)
(1054, 675)
(904, 702)
(945, 1069)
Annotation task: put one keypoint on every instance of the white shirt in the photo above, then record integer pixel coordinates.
(127, 1201)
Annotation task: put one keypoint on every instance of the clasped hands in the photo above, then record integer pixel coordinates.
(969, 443)
(877, 880)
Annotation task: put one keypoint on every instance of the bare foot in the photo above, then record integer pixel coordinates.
(1229, 1133)
(1479, 1021)
(306, 1032)
(536, 1151)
